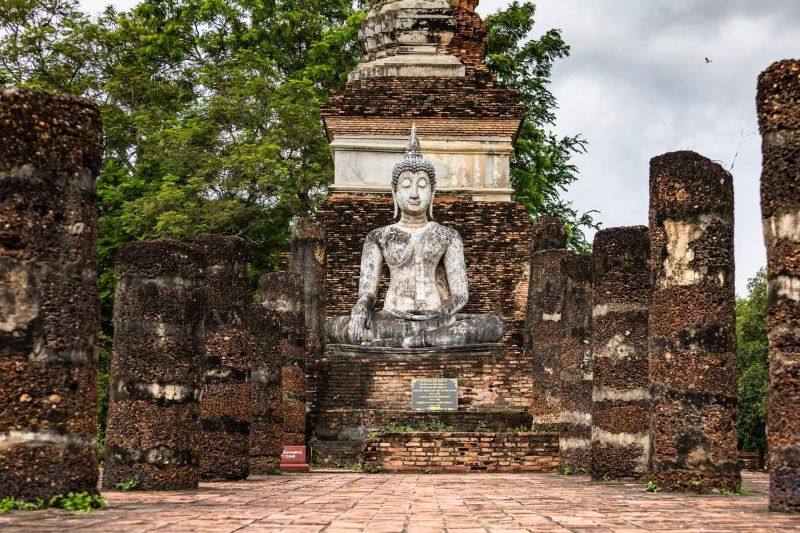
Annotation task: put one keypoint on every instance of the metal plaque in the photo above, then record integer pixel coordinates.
(434, 394)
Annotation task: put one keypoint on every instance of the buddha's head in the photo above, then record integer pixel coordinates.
(413, 181)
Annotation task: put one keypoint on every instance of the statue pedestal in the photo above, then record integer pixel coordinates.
(363, 393)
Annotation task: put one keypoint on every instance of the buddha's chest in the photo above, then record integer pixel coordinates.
(402, 249)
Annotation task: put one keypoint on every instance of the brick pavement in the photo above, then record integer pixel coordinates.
(349, 503)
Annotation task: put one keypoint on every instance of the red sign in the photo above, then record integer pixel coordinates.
(293, 459)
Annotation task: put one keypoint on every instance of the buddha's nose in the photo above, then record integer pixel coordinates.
(415, 192)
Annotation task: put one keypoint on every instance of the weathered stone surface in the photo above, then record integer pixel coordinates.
(543, 325)
(779, 119)
(621, 395)
(692, 338)
(282, 293)
(309, 258)
(575, 430)
(225, 408)
(266, 429)
(49, 309)
(408, 39)
(154, 429)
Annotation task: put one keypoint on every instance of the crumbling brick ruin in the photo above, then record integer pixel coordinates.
(693, 361)
(544, 328)
(225, 403)
(50, 155)
(266, 430)
(575, 429)
(282, 293)
(779, 119)
(154, 432)
(621, 395)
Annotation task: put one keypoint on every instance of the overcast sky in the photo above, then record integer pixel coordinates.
(637, 85)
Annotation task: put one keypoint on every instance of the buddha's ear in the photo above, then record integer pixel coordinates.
(396, 208)
(433, 197)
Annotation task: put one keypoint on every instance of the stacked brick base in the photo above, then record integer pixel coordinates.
(462, 452)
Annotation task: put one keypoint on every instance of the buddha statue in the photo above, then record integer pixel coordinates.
(428, 275)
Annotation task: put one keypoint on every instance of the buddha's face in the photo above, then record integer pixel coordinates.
(414, 192)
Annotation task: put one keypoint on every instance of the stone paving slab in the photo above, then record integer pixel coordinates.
(418, 503)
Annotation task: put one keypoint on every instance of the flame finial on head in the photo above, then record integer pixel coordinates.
(413, 161)
(413, 142)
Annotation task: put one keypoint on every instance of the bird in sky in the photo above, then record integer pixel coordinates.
(708, 60)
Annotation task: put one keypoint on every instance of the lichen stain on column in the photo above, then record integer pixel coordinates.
(778, 103)
(692, 340)
(50, 155)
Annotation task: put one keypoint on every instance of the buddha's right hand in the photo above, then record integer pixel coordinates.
(359, 317)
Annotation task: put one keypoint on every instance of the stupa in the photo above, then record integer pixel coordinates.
(422, 66)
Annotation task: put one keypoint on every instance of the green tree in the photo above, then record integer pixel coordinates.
(542, 167)
(753, 348)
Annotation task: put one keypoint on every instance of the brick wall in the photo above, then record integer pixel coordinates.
(463, 452)
(378, 378)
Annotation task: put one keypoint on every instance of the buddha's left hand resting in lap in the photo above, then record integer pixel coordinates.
(428, 275)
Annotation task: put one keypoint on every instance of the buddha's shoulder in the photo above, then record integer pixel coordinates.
(444, 232)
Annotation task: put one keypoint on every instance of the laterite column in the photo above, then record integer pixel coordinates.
(225, 410)
(779, 119)
(543, 322)
(621, 388)
(154, 433)
(575, 432)
(266, 431)
(282, 292)
(308, 252)
(50, 153)
(693, 361)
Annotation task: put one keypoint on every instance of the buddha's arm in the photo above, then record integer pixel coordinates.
(371, 264)
(456, 269)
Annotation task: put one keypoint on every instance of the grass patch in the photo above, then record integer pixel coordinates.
(75, 502)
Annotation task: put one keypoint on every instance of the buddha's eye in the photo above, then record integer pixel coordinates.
(406, 183)
(422, 183)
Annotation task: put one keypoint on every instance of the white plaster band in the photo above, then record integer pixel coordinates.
(785, 287)
(573, 443)
(125, 282)
(642, 440)
(167, 392)
(43, 438)
(555, 317)
(578, 418)
(606, 394)
(784, 226)
(601, 310)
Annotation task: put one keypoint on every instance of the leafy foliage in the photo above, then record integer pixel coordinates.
(542, 168)
(753, 349)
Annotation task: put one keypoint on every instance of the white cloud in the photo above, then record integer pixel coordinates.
(637, 85)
